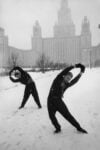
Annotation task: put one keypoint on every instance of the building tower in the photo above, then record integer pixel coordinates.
(37, 30)
(65, 26)
(85, 34)
(4, 51)
(37, 37)
(86, 42)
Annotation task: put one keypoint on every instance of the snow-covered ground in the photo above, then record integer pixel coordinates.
(31, 129)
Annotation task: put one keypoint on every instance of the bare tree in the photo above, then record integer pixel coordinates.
(43, 62)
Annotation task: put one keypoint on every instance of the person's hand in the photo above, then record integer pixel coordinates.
(82, 69)
(80, 66)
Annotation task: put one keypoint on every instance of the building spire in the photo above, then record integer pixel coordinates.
(65, 26)
(64, 3)
(85, 26)
(37, 33)
(85, 34)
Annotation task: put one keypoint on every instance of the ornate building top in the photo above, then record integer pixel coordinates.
(65, 26)
(37, 30)
(85, 26)
(64, 14)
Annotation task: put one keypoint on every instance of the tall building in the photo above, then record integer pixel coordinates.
(65, 26)
(4, 52)
(37, 38)
(64, 47)
(86, 44)
(85, 34)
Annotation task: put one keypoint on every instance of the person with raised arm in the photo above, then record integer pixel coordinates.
(17, 74)
(55, 103)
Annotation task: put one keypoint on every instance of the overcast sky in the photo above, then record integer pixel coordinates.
(17, 17)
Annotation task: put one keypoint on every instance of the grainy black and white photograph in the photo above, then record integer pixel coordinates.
(49, 74)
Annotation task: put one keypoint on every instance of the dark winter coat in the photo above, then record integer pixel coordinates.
(25, 77)
(56, 89)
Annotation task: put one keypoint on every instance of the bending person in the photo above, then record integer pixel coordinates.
(30, 87)
(55, 103)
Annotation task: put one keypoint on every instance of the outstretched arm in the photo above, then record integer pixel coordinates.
(14, 80)
(11, 78)
(17, 68)
(75, 80)
(65, 71)
(11, 72)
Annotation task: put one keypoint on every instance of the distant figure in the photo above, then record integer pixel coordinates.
(17, 74)
(55, 103)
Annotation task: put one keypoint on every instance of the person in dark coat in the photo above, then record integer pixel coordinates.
(17, 74)
(55, 103)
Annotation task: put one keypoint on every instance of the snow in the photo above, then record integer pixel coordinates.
(31, 129)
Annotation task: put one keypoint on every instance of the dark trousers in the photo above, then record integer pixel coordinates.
(30, 89)
(56, 104)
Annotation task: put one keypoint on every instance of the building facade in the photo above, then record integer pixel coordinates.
(64, 47)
